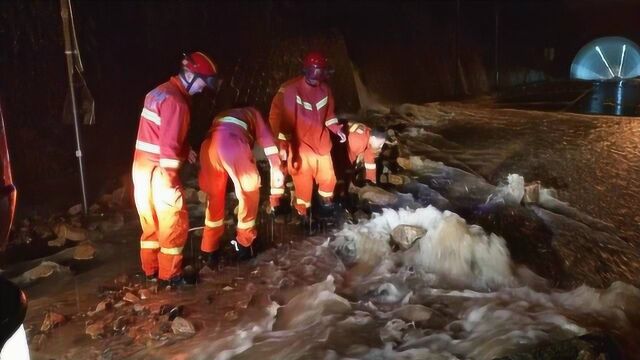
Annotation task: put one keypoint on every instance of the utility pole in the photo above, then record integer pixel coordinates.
(71, 52)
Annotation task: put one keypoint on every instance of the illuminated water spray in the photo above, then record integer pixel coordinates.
(607, 58)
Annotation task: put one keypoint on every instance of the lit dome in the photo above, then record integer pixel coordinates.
(607, 58)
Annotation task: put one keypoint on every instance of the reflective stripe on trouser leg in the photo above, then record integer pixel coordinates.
(213, 229)
(246, 181)
(141, 173)
(325, 175)
(173, 225)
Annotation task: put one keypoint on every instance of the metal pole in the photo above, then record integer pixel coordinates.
(69, 51)
(495, 64)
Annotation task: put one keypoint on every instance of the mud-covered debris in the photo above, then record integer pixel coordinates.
(395, 179)
(182, 326)
(129, 297)
(95, 330)
(52, 319)
(405, 235)
(144, 294)
(532, 193)
(38, 342)
(413, 313)
(84, 251)
(231, 315)
(103, 305)
(70, 232)
(57, 242)
(374, 195)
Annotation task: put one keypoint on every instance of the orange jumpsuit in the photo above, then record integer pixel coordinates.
(302, 116)
(161, 148)
(359, 150)
(227, 152)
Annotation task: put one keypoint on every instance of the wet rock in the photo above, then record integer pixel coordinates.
(227, 288)
(139, 308)
(231, 315)
(532, 193)
(404, 163)
(95, 330)
(84, 252)
(75, 210)
(394, 179)
(51, 320)
(144, 294)
(120, 323)
(413, 313)
(405, 235)
(102, 306)
(129, 297)
(69, 232)
(120, 304)
(171, 311)
(38, 342)
(182, 326)
(57, 242)
(374, 195)
(393, 331)
(588, 347)
(45, 269)
(114, 223)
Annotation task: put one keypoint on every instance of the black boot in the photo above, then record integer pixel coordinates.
(243, 253)
(326, 209)
(210, 260)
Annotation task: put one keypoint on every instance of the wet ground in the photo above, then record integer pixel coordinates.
(490, 277)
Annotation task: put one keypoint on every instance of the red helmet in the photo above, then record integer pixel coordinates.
(202, 66)
(316, 59)
(316, 67)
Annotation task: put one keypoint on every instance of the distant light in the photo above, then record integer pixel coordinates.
(624, 49)
(607, 58)
(604, 60)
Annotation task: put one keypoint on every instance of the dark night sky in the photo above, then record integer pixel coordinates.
(404, 49)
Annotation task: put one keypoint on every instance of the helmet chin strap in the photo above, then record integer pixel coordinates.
(189, 83)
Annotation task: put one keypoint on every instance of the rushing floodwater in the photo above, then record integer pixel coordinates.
(506, 279)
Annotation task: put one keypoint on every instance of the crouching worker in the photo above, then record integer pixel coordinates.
(227, 153)
(364, 144)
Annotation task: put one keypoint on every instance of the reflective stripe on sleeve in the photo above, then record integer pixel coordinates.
(331, 122)
(170, 163)
(270, 150)
(232, 120)
(151, 116)
(147, 147)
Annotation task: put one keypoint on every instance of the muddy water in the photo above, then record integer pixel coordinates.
(491, 277)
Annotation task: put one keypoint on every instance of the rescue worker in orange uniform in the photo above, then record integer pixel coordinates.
(364, 145)
(161, 148)
(227, 153)
(302, 115)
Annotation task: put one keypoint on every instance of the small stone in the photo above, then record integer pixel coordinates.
(75, 210)
(404, 163)
(120, 304)
(144, 294)
(57, 242)
(51, 320)
(84, 252)
(102, 306)
(413, 313)
(139, 307)
(70, 232)
(405, 235)
(120, 323)
(129, 297)
(231, 315)
(95, 330)
(182, 326)
(227, 288)
(395, 179)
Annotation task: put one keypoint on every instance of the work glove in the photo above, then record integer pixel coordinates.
(277, 178)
